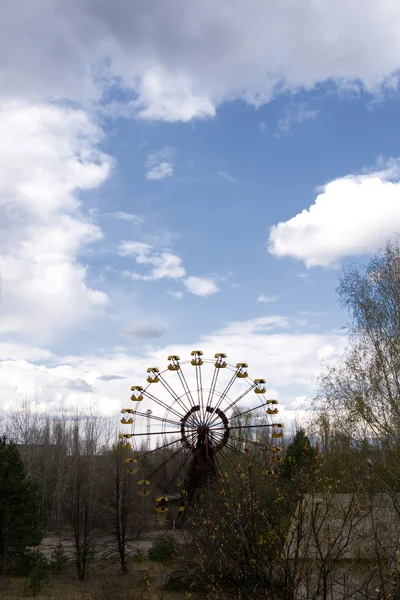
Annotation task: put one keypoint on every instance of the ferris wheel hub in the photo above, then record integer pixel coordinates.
(203, 430)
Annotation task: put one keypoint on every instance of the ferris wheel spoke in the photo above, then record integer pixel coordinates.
(213, 383)
(177, 473)
(234, 402)
(241, 453)
(155, 418)
(223, 396)
(161, 403)
(249, 410)
(165, 462)
(187, 392)
(200, 391)
(156, 433)
(172, 393)
(141, 455)
(244, 427)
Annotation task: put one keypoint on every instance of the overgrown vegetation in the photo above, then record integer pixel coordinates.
(322, 522)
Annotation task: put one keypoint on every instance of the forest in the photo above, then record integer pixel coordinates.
(322, 522)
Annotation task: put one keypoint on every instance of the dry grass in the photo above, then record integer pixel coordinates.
(144, 581)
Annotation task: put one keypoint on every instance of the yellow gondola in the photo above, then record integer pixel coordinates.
(174, 366)
(260, 387)
(242, 374)
(162, 504)
(130, 471)
(144, 484)
(196, 361)
(272, 411)
(220, 363)
(153, 378)
(139, 397)
(126, 421)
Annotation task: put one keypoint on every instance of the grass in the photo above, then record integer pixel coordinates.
(145, 581)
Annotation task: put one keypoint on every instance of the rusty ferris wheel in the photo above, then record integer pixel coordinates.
(199, 417)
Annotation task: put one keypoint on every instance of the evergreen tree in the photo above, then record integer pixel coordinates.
(20, 514)
(300, 456)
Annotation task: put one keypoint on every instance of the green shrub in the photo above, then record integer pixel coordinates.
(38, 574)
(162, 548)
(139, 557)
(59, 559)
(23, 562)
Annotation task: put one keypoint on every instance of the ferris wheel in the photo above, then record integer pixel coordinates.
(201, 411)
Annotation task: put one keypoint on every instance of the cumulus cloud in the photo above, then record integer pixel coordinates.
(200, 286)
(159, 165)
(351, 216)
(288, 360)
(164, 265)
(48, 155)
(182, 61)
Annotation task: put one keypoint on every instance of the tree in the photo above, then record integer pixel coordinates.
(236, 533)
(299, 456)
(82, 493)
(121, 506)
(20, 518)
(362, 392)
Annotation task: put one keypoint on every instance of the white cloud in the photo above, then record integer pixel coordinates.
(47, 155)
(295, 114)
(123, 216)
(263, 298)
(185, 60)
(200, 286)
(159, 164)
(164, 265)
(289, 361)
(176, 294)
(351, 216)
(226, 176)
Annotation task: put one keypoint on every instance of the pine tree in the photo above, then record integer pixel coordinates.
(20, 514)
(300, 456)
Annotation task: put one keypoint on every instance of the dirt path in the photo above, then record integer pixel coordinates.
(103, 545)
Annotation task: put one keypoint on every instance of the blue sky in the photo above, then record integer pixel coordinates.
(168, 183)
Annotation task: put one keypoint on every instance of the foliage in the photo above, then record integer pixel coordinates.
(163, 548)
(139, 557)
(361, 392)
(59, 559)
(38, 575)
(299, 457)
(236, 533)
(20, 516)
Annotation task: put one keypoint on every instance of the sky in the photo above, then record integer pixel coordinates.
(178, 175)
